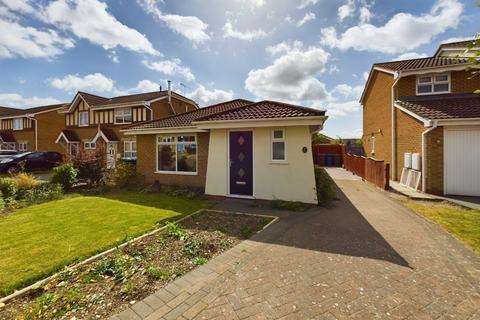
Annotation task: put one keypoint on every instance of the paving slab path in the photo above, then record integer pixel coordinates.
(367, 257)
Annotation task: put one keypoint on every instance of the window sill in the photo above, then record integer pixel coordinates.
(178, 173)
(279, 162)
(432, 93)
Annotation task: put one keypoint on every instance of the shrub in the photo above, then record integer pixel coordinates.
(25, 181)
(180, 192)
(91, 166)
(65, 175)
(324, 186)
(290, 205)
(2, 202)
(118, 267)
(8, 188)
(175, 230)
(156, 273)
(124, 173)
(43, 192)
(191, 247)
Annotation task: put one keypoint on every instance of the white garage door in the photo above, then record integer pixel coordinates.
(462, 161)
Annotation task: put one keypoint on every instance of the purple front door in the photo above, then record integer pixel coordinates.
(241, 163)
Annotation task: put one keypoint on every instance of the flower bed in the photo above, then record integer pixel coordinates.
(105, 287)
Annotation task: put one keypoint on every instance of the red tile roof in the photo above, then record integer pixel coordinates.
(443, 106)
(264, 110)
(137, 98)
(110, 134)
(421, 63)
(6, 136)
(71, 135)
(20, 112)
(92, 99)
(185, 119)
(4, 110)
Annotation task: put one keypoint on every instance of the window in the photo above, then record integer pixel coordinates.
(130, 150)
(22, 146)
(8, 146)
(83, 118)
(89, 145)
(177, 154)
(278, 145)
(372, 145)
(123, 115)
(431, 84)
(73, 148)
(18, 124)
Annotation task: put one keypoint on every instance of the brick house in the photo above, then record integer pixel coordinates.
(237, 148)
(421, 116)
(30, 129)
(91, 122)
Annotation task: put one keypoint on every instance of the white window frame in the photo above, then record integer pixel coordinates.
(70, 145)
(121, 113)
(175, 142)
(432, 83)
(80, 124)
(282, 139)
(132, 153)
(17, 121)
(22, 146)
(372, 145)
(8, 146)
(88, 145)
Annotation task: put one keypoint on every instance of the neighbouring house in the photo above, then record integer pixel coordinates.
(92, 122)
(30, 129)
(422, 117)
(238, 148)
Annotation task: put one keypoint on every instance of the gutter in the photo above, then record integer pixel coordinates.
(397, 76)
(433, 125)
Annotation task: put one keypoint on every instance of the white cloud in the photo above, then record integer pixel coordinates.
(411, 55)
(230, 32)
(308, 16)
(456, 39)
(403, 32)
(190, 27)
(96, 82)
(346, 10)
(347, 91)
(29, 42)
(365, 76)
(292, 76)
(283, 47)
(344, 100)
(365, 15)
(305, 3)
(333, 68)
(112, 55)
(254, 4)
(172, 67)
(146, 86)
(89, 19)
(206, 97)
(341, 109)
(18, 101)
(19, 6)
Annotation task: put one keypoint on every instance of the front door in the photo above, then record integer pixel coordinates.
(111, 155)
(241, 163)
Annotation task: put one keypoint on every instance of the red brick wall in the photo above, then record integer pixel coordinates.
(146, 163)
(434, 152)
(49, 126)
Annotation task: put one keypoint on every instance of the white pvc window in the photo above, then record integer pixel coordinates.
(18, 124)
(433, 84)
(83, 118)
(73, 148)
(278, 145)
(177, 154)
(123, 115)
(22, 146)
(89, 145)
(130, 150)
(8, 146)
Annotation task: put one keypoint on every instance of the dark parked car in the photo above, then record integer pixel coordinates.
(30, 161)
(7, 153)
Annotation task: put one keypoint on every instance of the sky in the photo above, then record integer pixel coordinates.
(315, 53)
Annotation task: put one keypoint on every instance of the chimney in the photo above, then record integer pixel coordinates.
(169, 86)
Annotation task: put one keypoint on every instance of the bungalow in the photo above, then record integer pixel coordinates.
(237, 148)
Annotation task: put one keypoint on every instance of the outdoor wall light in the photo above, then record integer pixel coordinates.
(304, 149)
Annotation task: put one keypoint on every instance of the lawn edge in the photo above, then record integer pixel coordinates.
(39, 283)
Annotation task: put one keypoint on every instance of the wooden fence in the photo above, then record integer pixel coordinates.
(371, 170)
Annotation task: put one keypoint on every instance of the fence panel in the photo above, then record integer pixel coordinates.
(371, 170)
(328, 155)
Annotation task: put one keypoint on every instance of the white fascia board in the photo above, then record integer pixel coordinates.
(74, 101)
(130, 132)
(456, 67)
(426, 122)
(60, 136)
(458, 122)
(256, 123)
(117, 106)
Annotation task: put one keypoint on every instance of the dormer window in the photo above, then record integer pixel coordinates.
(123, 115)
(433, 83)
(18, 124)
(83, 118)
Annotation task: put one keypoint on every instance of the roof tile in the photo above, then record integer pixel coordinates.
(421, 63)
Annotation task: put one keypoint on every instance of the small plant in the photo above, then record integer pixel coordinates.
(156, 273)
(65, 175)
(179, 192)
(324, 186)
(198, 261)
(129, 288)
(246, 232)
(118, 267)
(72, 298)
(8, 188)
(290, 205)
(124, 173)
(25, 181)
(191, 247)
(175, 230)
(40, 305)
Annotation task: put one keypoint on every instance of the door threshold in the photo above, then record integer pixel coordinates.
(239, 196)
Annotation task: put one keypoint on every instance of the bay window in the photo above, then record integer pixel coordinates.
(130, 150)
(177, 154)
(123, 115)
(433, 84)
(278, 145)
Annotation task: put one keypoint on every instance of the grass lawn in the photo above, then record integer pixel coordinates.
(462, 223)
(39, 240)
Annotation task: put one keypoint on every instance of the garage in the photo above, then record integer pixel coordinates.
(462, 160)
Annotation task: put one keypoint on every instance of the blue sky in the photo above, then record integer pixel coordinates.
(314, 53)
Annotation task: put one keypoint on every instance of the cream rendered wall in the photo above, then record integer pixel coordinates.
(292, 181)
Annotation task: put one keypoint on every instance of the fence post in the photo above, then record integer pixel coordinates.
(387, 176)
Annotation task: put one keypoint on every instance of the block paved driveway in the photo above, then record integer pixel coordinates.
(367, 257)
